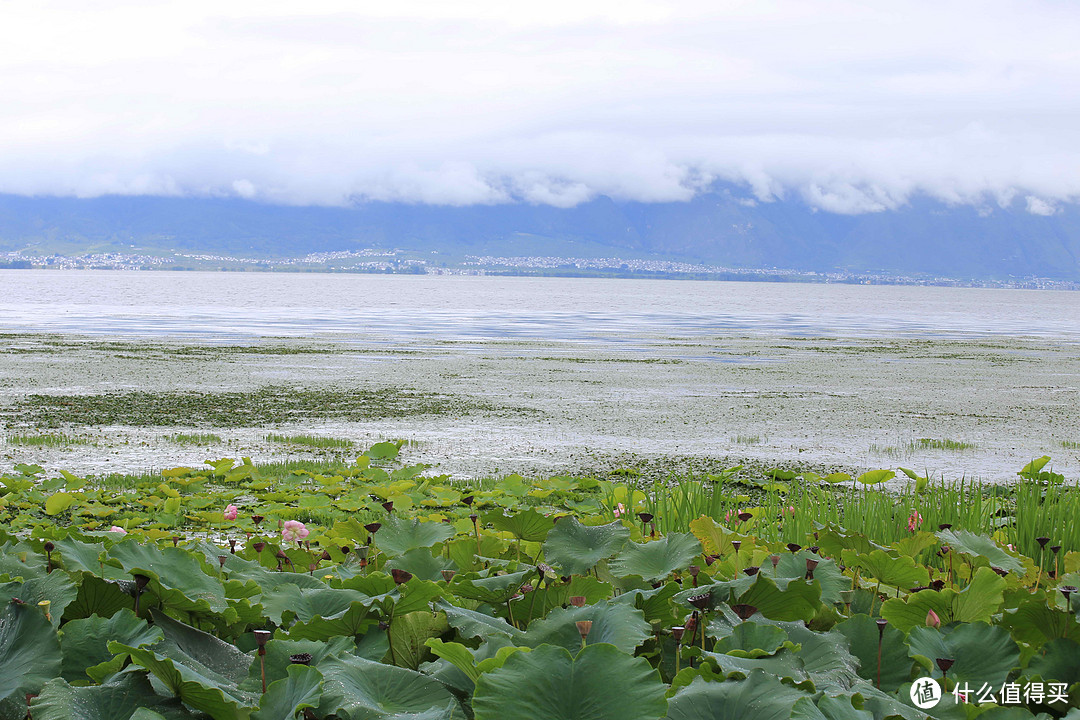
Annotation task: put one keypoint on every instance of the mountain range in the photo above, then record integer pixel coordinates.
(724, 227)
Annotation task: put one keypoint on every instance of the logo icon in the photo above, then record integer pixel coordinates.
(925, 693)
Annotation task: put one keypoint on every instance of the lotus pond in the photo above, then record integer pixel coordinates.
(372, 590)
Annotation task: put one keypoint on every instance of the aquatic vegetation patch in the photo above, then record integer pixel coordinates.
(940, 444)
(312, 441)
(370, 589)
(50, 440)
(194, 438)
(269, 405)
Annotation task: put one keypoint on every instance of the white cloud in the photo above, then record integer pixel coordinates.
(854, 107)
(1037, 206)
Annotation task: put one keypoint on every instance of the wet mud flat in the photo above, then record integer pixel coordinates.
(958, 407)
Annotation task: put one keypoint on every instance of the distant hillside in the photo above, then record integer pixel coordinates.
(924, 238)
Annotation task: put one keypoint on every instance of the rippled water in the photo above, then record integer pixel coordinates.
(220, 307)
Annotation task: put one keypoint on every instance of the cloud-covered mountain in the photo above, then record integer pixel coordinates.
(725, 226)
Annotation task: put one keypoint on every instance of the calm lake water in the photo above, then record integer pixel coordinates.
(224, 307)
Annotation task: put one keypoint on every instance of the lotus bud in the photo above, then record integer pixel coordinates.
(300, 659)
(710, 559)
(775, 560)
(811, 565)
(400, 576)
(691, 623)
(221, 560)
(578, 601)
(526, 588)
(280, 555)
(175, 540)
(677, 633)
(932, 619)
(44, 605)
(448, 575)
(583, 628)
(752, 570)
(48, 546)
(232, 547)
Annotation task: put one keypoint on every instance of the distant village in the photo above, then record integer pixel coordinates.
(378, 260)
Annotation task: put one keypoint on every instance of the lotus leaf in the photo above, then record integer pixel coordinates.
(862, 634)
(982, 653)
(654, 561)
(758, 697)
(120, 697)
(617, 624)
(286, 697)
(968, 543)
(577, 548)
(358, 689)
(29, 651)
(84, 644)
(398, 536)
(599, 683)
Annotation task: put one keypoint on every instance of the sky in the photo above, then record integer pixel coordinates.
(851, 107)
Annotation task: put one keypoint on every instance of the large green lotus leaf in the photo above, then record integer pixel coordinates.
(824, 656)
(120, 697)
(200, 650)
(471, 623)
(546, 597)
(715, 538)
(103, 598)
(88, 557)
(286, 697)
(861, 632)
(1056, 661)
(408, 636)
(834, 541)
(85, 642)
(422, 563)
(1034, 622)
(826, 574)
(354, 621)
(277, 663)
(358, 689)
(527, 525)
(785, 664)
(288, 602)
(654, 561)
(982, 653)
(899, 572)
(398, 536)
(29, 651)
(968, 543)
(176, 575)
(600, 683)
(616, 624)
(473, 663)
(978, 602)
(758, 697)
(655, 604)
(576, 548)
(239, 569)
(750, 639)
(55, 587)
(783, 598)
(885, 705)
(209, 692)
(491, 589)
(840, 707)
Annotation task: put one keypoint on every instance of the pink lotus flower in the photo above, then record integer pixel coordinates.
(914, 520)
(118, 529)
(619, 510)
(932, 619)
(789, 510)
(294, 531)
(231, 511)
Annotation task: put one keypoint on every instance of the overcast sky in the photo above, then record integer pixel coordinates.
(853, 106)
